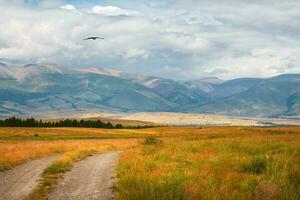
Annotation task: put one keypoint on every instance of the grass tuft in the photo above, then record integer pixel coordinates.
(3, 168)
(255, 166)
(56, 168)
(151, 141)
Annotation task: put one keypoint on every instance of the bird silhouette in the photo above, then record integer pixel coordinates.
(94, 38)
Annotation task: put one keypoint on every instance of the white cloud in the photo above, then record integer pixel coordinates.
(133, 54)
(68, 7)
(112, 11)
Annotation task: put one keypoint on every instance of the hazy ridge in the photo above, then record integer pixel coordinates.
(41, 89)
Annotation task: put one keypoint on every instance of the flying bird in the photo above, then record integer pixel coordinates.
(94, 38)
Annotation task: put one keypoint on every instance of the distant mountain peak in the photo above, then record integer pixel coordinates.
(285, 77)
(152, 83)
(212, 80)
(102, 71)
(21, 72)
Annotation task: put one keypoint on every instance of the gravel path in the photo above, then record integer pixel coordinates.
(91, 178)
(17, 183)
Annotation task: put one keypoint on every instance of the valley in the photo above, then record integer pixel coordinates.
(149, 100)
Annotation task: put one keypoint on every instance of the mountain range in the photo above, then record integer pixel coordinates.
(37, 90)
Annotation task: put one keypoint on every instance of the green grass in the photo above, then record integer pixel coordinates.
(56, 168)
(255, 166)
(3, 168)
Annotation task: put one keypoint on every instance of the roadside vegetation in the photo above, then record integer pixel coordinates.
(170, 162)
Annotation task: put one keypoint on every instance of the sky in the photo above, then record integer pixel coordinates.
(178, 39)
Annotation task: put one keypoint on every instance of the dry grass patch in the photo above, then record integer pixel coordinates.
(17, 152)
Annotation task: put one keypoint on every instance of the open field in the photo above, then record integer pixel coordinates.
(172, 162)
(186, 119)
(177, 119)
(189, 119)
(112, 120)
(69, 133)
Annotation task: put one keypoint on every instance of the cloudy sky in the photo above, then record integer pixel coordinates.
(179, 39)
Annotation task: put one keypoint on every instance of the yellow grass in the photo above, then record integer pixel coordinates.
(16, 152)
(64, 133)
(214, 163)
(18, 145)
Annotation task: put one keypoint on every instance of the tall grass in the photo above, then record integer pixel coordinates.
(260, 165)
(256, 166)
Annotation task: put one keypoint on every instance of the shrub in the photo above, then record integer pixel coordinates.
(119, 126)
(255, 166)
(151, 141)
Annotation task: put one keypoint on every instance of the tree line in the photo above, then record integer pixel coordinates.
(31, 122)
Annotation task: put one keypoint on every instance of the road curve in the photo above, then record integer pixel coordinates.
(17, 183)
(91, 178)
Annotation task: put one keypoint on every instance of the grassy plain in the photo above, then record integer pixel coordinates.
(213, 163)
(173, 162)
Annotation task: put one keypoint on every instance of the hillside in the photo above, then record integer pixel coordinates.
(49, 90)
(52, 88)
(272, 97)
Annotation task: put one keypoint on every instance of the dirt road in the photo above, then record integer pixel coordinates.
(91, 178)
(17, 183)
